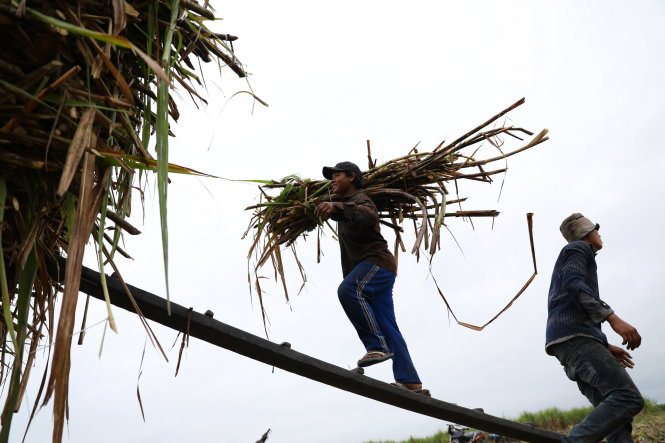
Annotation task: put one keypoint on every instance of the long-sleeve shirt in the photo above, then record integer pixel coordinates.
(574, 305)
(359, 233)
(596, 309)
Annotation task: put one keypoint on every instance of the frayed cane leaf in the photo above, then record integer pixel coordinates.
(253, 96)
(100, 257)
(138, 379)
(185, 340)
(101, 344)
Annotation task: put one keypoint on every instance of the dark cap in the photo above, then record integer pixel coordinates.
(343, 167)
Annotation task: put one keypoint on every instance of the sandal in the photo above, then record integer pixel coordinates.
(369, 359)
(424, 392)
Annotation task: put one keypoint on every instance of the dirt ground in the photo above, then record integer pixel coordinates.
(649, 428)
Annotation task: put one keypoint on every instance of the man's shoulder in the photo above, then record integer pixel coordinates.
(578, 246)
(359, 195)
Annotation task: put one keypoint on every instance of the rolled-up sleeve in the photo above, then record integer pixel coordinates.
(596, 309)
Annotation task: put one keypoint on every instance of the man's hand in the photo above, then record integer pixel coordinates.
(622, 356)
(626, 331)
(324, 210)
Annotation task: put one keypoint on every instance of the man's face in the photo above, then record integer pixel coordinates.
(594, 238)
(342, 183)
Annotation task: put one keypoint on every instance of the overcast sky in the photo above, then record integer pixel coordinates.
(335, 75)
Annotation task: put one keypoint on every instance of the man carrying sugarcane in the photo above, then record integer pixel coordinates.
(369, 274)
(575, 338)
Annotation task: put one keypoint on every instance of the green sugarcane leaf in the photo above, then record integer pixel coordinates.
(25, 286)
(265, 182)
(6, 307)
(163, 145)
(113, 158)
(273, 203)
(79, 30)
(162, 177)
(82, 104)
(321, 189)
(70, 207)
(27, 94)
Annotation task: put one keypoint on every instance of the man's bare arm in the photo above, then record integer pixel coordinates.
(324, 210)
(628, 332)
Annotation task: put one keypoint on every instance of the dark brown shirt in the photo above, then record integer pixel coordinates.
(359, 233)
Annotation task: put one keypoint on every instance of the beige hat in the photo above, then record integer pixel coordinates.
(576, 227)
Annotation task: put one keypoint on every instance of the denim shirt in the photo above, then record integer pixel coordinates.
(574, 305)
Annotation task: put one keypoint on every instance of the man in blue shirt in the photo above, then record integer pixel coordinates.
(575, 338)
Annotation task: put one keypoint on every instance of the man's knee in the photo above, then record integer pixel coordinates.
(345, 292)
(631, 401)
(635, 403)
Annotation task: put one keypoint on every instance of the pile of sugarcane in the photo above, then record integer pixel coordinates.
(417, 186)
(85, 105)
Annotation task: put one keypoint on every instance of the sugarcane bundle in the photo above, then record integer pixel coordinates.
(85, 96)
(416, 186)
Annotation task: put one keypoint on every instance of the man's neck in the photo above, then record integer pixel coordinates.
(593, 248)
(352, 190)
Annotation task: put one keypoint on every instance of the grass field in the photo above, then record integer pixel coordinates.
(648, 426)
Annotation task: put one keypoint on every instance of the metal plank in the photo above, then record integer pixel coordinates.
(236, 340)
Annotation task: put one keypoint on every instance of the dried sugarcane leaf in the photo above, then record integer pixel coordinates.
(100, 256)
(185, 340)
(88, 203)
(138, 379)
(34, 341)
(81, 140)
(32, 104)
(119, 19)
(529, 217)
(122, 83)
(129, 10)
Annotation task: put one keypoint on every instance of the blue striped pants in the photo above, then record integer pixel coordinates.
(366, 295)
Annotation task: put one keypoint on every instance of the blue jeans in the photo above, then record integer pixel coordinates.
(608, 387)
(366, 295)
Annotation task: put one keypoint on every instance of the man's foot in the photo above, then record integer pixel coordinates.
(413, 387)
(373, 357)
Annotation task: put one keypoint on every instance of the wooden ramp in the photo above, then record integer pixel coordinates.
(220, 334)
